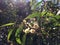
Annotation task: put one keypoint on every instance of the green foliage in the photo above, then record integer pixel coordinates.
(18, 32)
(43, 13)
(47, 22)
(9, 24)
(9, 34)
(18, 40)
(38, 4)
(34, 14)
(24, 39)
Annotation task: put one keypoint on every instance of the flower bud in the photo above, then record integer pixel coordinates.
(32, 31)
(24, 21)
(26, 30)
(36, 26)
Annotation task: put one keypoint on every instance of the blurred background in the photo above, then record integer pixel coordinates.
(14, 11)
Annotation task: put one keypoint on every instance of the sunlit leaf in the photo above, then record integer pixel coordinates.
(9, 24)
(43, 13)
(50, 14)
(57, 16)
(9, 34)
(38, 4)
(18, 40)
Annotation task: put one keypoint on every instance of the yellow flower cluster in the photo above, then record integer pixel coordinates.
(28, 30)
(31, 24)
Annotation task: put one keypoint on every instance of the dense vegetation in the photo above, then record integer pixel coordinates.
(23, 26)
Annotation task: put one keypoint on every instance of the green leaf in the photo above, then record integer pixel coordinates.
(9, 24)
(17, 34)
(9, 34)
(18, 40)
(43, 13)
(39, 21)
(38, 4)
(50, 14)
(57, 16)
(35, 14)
(24, 39)
(52, 19)
(43, 32)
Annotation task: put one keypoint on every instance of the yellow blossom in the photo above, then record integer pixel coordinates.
(32, 31)
(36, 26)
(24, 21)
(26, 30)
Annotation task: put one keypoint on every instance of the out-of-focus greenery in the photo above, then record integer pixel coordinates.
(9, 24)
(46, 34)
(49, 25)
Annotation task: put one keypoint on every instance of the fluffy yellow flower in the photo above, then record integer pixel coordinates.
(26, 30)
(35, 26)
(32, 31)
(24, 21)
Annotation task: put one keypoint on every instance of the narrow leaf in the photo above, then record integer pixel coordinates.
(24, 39)
(9, 34)
(17, 34)
(39, 3)
(18, 40)
(9, 24)
(36, 14)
